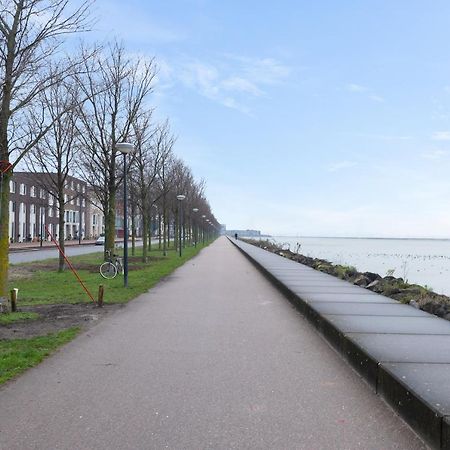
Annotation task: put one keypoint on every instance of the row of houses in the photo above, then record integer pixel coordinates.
(32, 209)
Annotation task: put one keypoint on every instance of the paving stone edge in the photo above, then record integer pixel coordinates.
(423, 418)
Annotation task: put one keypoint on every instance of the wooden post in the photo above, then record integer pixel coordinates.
(14, 299)
(100, 296)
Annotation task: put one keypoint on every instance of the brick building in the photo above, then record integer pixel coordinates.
(31, 208)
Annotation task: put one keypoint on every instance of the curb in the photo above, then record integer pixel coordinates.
(424, 417)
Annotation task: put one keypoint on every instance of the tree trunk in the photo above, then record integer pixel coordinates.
(149, 233)
(159, 232)
(133, 231)
(144, 238)
(62, 231)
(164, 233)
(4, 243)
(110, 224)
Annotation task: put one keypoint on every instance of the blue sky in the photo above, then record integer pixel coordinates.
(311, 118)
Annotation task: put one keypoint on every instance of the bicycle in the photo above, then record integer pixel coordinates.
(112, 266)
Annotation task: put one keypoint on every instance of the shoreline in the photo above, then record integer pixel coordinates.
(415, 295)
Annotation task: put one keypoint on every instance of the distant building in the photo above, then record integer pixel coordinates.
(223, 229)
(244, 233)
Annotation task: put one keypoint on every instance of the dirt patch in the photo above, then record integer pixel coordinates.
(56, 318)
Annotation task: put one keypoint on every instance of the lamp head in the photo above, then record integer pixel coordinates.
(125, 148)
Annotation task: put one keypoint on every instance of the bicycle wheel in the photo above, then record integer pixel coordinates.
(108, 270)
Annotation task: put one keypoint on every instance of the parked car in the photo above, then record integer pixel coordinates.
(100, 240)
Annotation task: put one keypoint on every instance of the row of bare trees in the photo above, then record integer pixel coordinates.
(64, 115)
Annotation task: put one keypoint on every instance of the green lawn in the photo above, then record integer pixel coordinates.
(16, 316)
(42, 285)
(17, 355)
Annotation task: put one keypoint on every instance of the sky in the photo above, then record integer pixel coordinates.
(324, 118)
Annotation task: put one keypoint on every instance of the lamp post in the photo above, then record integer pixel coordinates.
(125, 148)
(180, 198)
(195, 211)
(203, 229)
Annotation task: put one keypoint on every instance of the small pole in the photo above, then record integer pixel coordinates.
(101, 292)
(14, 299)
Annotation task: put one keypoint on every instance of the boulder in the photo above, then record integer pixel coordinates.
(372, 276)
(361, 280)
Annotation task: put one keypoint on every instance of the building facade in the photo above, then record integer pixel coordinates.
(33, 210)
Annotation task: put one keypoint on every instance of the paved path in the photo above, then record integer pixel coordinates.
(212, 358)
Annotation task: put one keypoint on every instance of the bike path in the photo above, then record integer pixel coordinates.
(214, 357)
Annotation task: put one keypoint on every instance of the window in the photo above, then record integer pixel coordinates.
(12, 187)
(23, 189)
(94, 219)
(78, 201)
(72, 185)
(65, 198)
(33, 209)
(67, 216)
(50, 212)
(50, 200)
(83, 189)
(42, 193)
(33, 191)
(78, 187)
(13, 207)
(83, 202)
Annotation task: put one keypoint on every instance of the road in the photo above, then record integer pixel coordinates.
(38, 254)
(214, 357)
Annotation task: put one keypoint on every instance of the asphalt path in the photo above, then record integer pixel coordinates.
(38, 254)
(214, 357)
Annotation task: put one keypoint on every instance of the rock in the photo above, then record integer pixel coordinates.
(372, 276)
(415, 304)
(447, 316)
(373, 284)
(361, 280)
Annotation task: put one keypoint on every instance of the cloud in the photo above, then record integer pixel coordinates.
(232, 81)
(376, 98)
(359, 89)
(239, 84)
(441, 136)
(435, 155)
(352, 87)
(335, 167)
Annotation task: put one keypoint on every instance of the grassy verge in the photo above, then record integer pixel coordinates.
(16, 316)
(17, 355)
(39, 283)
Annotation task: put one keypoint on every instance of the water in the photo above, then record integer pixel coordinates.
(421, 261)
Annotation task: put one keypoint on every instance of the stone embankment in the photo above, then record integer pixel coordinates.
(396, 288)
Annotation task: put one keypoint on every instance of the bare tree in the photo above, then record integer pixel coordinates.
(56, 154)
(116, 89)
(31, 33)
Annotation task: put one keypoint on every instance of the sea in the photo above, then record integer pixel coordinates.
(420, 261)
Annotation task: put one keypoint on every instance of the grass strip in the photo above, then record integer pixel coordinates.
(40, 283)
(17, 355)
(17, 316)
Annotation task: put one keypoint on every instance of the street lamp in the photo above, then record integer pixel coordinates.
(195, 211)
(180, 198)
(125, 148)
(203, 229)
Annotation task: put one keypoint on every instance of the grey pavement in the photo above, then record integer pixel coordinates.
(214, 357)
